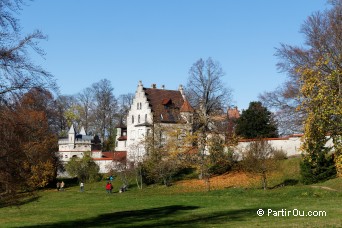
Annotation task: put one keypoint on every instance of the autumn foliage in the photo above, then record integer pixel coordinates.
(28, 145)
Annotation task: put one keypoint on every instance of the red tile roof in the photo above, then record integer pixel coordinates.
(233, 113)
(186, 107)
(113, 155)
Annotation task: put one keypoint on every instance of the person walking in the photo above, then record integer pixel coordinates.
(82, 187)
(108, 187)
(62, 186)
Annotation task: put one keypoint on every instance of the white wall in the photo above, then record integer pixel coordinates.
(290, 145)
(135, 134)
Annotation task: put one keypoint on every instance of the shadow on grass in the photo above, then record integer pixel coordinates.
(287, 182)
(18, 200)
(168, 216)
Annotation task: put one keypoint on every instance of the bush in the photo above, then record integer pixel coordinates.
(279, 154)
(317, 170)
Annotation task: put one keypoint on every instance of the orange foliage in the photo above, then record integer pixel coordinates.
(229, 180)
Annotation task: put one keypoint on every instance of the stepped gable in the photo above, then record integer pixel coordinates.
(165, 104)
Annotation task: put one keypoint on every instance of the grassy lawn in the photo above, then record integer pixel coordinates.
(159, 206)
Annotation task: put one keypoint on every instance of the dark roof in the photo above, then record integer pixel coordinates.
(122, 138)
(165, 104)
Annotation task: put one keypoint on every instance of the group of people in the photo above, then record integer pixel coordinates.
(109, 186)
(60, 186)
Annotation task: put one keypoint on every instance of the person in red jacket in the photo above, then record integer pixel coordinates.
(108, 187)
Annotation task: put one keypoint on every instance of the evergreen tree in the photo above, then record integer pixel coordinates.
(256, 122)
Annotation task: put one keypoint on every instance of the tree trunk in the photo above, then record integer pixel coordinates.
(264, 181)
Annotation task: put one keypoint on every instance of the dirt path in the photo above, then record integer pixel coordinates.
(326, 188)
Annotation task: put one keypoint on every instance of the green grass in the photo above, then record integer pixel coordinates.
(159, 206)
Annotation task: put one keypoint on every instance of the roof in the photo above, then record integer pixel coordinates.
(233, 113)
(165, 104)
(82, 132)
(122, 138)
(113, 155)
(72, 129)
(186, 107)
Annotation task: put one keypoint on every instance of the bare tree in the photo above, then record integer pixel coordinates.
(207, 93)
(136, 164)
(258, 158)
(284, 102)
(86, 100)
(106, 105)
(17, 71)
(124, 102)
(323, 35)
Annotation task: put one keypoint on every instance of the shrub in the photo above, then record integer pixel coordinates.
(318, 170)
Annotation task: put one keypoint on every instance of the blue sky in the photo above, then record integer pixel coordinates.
(157, 41)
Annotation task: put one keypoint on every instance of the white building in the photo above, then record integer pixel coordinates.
(152, 106)
(77, 144)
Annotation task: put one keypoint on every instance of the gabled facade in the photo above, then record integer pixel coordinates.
(151, 107)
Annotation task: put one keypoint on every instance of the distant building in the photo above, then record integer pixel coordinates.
(77, 144)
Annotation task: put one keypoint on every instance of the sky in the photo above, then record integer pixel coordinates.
(157, 41)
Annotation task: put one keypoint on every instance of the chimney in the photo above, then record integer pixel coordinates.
(153, 86)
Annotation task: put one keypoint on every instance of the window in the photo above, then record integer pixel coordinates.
(138, 118)
(66, 156)
(145, 117)
(139, 105)
(132, 119)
